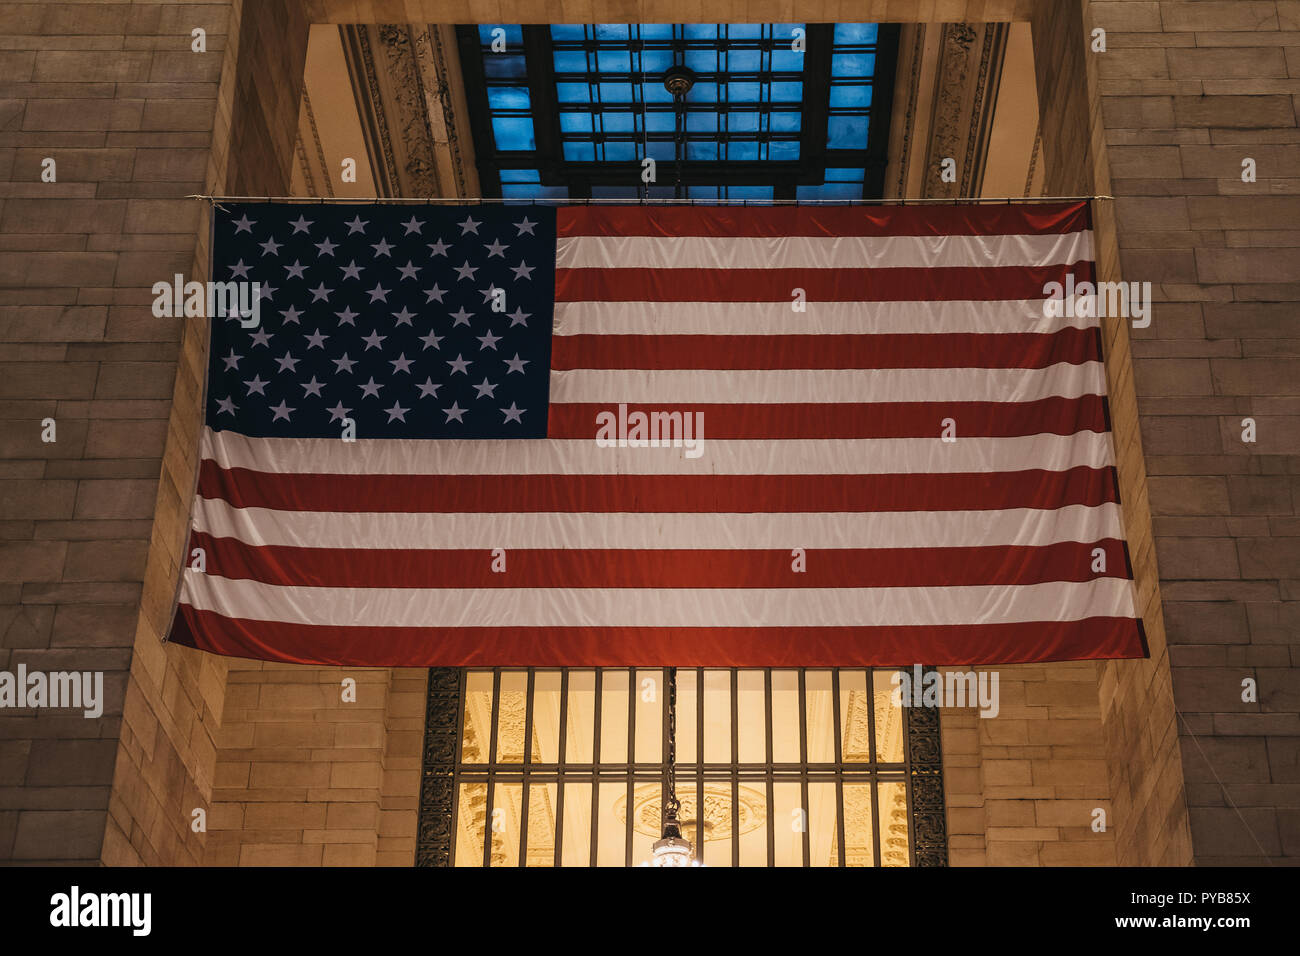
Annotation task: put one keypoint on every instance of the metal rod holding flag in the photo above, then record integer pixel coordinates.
(474, 200)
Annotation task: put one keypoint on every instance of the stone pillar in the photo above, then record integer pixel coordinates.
(1183, 95)
(129, 113)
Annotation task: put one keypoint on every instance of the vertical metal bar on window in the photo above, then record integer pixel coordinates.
(664, 750)
(875, 766)
(805, 816)
(561, 774)
(839, 765)
(631, 763)
(735, 767)
(597, 707)
(699, 762)
(528, 761)
(767, 770)
(493, 716)
(871, 718)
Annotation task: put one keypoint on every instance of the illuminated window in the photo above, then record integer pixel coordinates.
(798, 767)
(572, 110)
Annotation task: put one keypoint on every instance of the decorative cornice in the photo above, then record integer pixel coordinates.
(965, 97)
(434, 830)
(435, 57)
(310, 116)
(982, 111)
(909, 116)
(402, 86)
(925, 780)
(1033, 158)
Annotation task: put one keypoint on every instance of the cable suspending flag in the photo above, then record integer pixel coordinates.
(646, 435)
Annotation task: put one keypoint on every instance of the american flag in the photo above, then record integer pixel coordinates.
(904, 457)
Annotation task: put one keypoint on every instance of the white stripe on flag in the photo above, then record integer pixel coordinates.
(661, 607)
(731, 386)
(554, 456)
(821, 252)
(654, 531)
(820, 318)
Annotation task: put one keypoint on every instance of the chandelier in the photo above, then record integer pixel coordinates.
(672, 849)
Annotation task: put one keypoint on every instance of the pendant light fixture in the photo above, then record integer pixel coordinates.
(672, 849)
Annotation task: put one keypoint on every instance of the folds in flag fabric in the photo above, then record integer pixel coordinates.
(632, 435)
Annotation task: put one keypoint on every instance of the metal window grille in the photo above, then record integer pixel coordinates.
(564, 766)
(572, 110)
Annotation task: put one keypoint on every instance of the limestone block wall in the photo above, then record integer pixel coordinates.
(305, 778)
(130, 114)
(1184, 93)
(1022, 788)
(92, 527)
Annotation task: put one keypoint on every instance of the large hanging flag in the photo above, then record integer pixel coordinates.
(642, 435)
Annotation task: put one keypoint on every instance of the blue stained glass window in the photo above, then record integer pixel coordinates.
(851, 97)
(572, 93)
(787, 92)
(702, 151)
(853, 65)
(578, 152)
(779, 151)
(656, 61)
(513, 133)
(847, 132)
(701, 122)
(614, 61)
(702, 61)
(570, 61)
(507, 98)
(615, 92)
(662, 152)
(856, 33)
(657, 122)
(785, 122)
(785, 60)
(746, 105)
(505, 66)
(575, 123)
(620, 122)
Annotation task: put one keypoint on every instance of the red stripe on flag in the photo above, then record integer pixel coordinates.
(819, 285)
(782, 221)
(665, 494)
(1095, 638)
(956, 350)
(679, 568)
(1053, 416)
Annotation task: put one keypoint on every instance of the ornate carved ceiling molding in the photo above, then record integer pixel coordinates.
(944, 107)
(410, 112)
(310, 153)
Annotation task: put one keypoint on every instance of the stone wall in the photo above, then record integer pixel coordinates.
(114, 94)
(1184, 93)
(305, 778)
(92, 527)
(1022, 788)
(1145, 771)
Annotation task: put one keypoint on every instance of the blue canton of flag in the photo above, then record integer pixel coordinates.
(410, 321)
